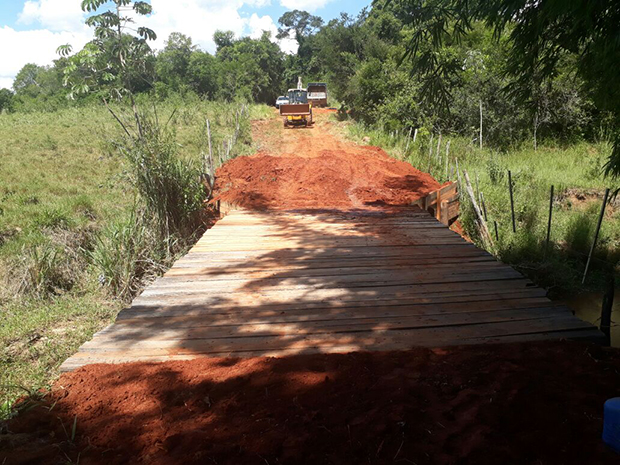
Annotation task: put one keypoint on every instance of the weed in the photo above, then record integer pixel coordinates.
(43, 272)
(52, 218)
(578, 233)
(124, 252)
(169, 186)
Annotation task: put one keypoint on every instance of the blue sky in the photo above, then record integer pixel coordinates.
(31, 30)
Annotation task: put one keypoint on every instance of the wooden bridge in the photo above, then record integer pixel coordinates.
(286, 282)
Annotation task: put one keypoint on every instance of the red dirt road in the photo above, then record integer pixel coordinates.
(311, 168)
(536, 403)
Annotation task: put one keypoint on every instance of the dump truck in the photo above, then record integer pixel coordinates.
(317, 94)
(298, 111)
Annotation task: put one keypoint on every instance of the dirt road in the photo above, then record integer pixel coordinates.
(313, 168)
(526, 403)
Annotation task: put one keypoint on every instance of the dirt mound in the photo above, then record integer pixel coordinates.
(514, 403)
(310, 168)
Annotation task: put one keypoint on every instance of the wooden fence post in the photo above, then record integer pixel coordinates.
(430, 147)
(482, 225)
(598, 229)
(210, 149)
(512, 203)
(480, 124)
(549, 223)
(408, 140)
(484, 207)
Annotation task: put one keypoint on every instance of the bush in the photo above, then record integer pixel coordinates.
(125, 252)
(44, 272)
(170, 187)
(578, 234)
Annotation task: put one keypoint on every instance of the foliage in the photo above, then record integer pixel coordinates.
(125, 252)
(114, 62)
(541, 35)
(6, 100)
(169, 186)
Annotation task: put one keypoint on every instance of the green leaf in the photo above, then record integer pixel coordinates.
(142, 8)
(64, 50)
(147, 33)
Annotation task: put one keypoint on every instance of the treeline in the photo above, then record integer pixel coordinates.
(370, 76)
(241, 69)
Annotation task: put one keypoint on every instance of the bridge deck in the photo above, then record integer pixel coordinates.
(277, 283)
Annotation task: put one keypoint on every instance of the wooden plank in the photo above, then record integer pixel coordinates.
(120, 335)
(179, 318)
(379, 339)
(431, 291)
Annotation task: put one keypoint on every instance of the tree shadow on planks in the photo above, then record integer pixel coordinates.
(472, 404)
(306, 281)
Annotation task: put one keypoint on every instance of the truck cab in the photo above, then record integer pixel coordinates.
(296, 96)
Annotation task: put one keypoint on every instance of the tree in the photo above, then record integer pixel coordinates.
(6, 100)
(115, 59)
(223, 39)
(540, 34)
(173, 61)
(249, 68)
(27, 79)
(300, 23)
(202, 73)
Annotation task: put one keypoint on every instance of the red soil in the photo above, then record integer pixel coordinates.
(503, 404)
(311, 168)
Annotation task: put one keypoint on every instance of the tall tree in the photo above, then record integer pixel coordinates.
(116, 59)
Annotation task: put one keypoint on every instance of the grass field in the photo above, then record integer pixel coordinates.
(63, 185)
(575, 171)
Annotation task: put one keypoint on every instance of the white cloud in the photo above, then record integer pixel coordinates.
(257, 24)
(57, 22)
(6, 82)
(36, 46)
(55, 15)
(306, 5)
(198, 19)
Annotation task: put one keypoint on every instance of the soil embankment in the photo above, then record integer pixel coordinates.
(312, 168)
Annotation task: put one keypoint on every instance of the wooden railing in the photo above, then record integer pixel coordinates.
(443, 203)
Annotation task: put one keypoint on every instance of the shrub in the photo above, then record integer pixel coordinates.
(125, 252)
(44, 272)
(578, 233)
(170, 187)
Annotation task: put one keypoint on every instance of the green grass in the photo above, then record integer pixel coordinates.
(65, 200)
(576, 173)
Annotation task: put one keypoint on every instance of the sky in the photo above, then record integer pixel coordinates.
(32, 30)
